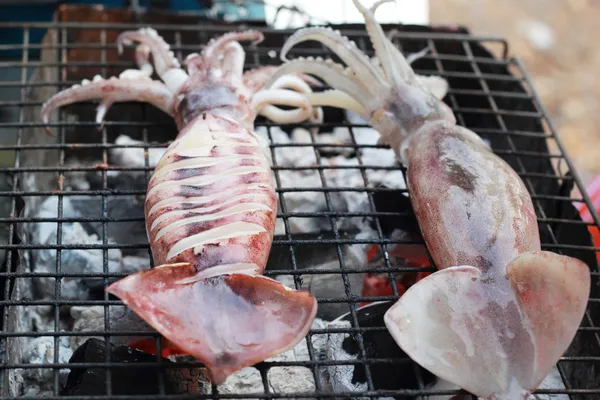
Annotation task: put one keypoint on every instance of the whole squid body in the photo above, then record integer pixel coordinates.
(210, 204)
(499, 312)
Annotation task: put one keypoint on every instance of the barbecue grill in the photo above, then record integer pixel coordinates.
(75, 220)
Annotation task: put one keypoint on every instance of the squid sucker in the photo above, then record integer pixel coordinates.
(211, 203)
(499, 312)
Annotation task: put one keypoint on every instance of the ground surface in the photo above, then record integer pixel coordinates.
(555, 40)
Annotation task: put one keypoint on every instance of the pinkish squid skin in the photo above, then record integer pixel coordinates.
(499, 312)
(210, 205)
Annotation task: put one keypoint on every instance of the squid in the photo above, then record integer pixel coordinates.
(499, 312)
(210, 206)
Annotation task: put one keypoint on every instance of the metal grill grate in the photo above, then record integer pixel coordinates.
(491, 95)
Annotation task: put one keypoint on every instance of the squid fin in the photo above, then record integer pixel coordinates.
(228, 322)
(494, 339)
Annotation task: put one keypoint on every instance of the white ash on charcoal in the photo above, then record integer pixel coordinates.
(129, 157)
(43, 319)
(76, 180)
(118, 209)
(39, 382)
(134, 156)
(346, 201)
(85, 261)
(120, 319)
(135, 263)
(285, 379)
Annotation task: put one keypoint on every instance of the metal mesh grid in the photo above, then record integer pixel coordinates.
(501, 107)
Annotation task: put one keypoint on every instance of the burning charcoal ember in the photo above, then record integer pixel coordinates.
(403, 254)
(124, 381)
(121, 319)
(378, 344)
(134, 156)
(40, 381)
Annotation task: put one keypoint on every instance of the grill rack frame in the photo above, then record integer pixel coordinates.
(466, 40)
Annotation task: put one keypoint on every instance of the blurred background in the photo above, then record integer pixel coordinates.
(554, 38)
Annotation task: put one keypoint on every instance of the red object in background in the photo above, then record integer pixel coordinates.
(149, 346)
(378, 284)
(593, 190)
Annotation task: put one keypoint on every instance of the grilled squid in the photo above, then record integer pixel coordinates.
(211, 203)
(499, 312)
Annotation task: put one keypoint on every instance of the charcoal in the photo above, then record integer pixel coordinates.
(280, 379)
(311, 202)
(121, 319)
(134, 156)
(124, 381)
(328, 286)
(121, 207)
(40, 350)
(72, 260)
(308, 255)
(118, 180)
(396, 202)
(378, 344)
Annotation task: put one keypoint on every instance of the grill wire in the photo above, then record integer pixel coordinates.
(481, 98)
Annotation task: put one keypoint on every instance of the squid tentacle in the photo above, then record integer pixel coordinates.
(378, 3)
(233, 61)
(332, 73)
(142, 59)
(165, 63)
(336, 98)
(132, 85)
(342, 46)
(193, 63)
(216, 45)
(256, 78)
(395, 68)
(291, 91)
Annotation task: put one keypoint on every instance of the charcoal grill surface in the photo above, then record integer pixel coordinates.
(491, 95)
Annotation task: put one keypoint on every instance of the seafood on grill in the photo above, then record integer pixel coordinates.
(499, 312)
(211, 204)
